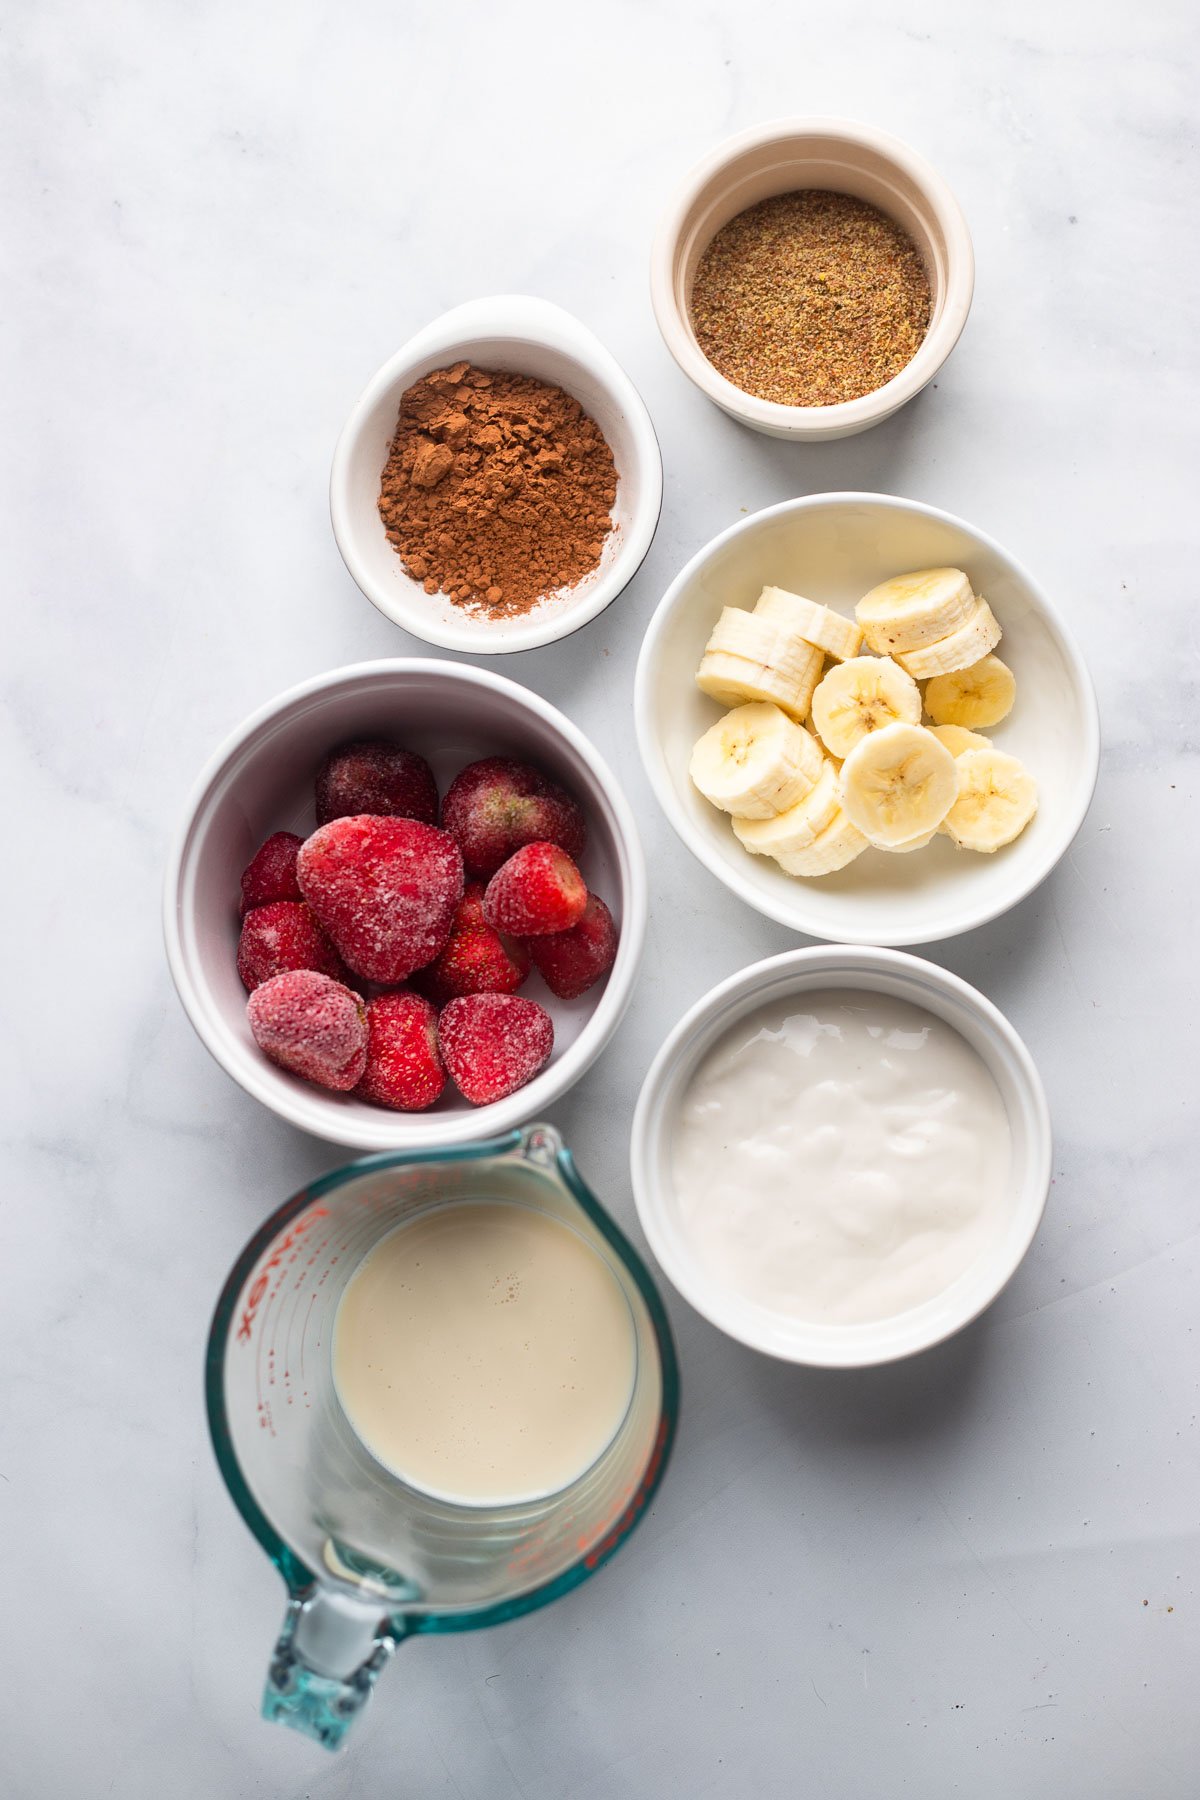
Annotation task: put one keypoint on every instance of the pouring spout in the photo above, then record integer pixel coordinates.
(327, 1660)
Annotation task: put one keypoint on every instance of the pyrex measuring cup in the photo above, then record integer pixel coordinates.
(367, 1559)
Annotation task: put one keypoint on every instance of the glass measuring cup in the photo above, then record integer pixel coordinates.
(367, 1559)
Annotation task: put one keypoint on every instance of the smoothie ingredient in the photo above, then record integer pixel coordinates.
(485, 1353)
(495, 806)
(867, 773)
(861, 696)
(494, 1044)
(385, 889)
(748, 658)
(284, 935)
(404, 1067)
(957, 738)
(571, 962)
(796, 827)
(475, 959)
(311, 1025)
(818, 625)
(841, 1156)
(963, 648)
(997, 797)
(755, 762)
(376, 776)
(898, 783)
(909, 611)
(498, 489)
(832, 849)
(271, 872)
(981, 694)
(537, 890)
(810, 299)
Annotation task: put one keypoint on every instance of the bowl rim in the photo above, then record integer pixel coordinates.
(847, 415)
(519, 319)
(825, 962)
(309, 1109)
(658, 773)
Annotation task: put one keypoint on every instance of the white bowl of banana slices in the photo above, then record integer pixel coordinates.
(866, 719)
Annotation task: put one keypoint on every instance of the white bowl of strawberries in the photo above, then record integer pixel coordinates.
(406, 906)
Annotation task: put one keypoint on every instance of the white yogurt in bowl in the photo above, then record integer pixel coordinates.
(841, 1155)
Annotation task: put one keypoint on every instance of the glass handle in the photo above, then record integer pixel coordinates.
(325, 1664)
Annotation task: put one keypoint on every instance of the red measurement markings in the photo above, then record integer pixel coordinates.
(629, 1516)
(262, 1280)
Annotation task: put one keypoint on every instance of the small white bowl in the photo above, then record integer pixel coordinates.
(890, 972)
(261, 780)
(833, 548)
(525, 336)
(780, 157)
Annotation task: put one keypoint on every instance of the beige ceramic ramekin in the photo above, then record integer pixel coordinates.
(779, 158)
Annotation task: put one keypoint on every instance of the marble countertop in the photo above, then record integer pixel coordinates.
(974, 1573)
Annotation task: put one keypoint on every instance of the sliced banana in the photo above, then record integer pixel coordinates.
(795, 829)
(957, 738)
(831, 849)
(910, 611)
(963, 647)
(981, 694)
(916, 843)
(899, 783)
(861, 696)
(837, 636)
(755, 762)
(750, 659)
(997, 797)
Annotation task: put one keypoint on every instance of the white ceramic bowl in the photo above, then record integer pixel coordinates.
(261, 780)
(833, 547)
(525, 336)
(878, 971)
(779, 158)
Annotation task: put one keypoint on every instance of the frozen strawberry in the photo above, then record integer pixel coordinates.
(311, 1025)
(384, 889)
(271, 872)
(493, 1044)
(495, 806)
(570, 962)
(476, 959)
(404, 1065)
(375, 776)
(284, 935)
(539, 889)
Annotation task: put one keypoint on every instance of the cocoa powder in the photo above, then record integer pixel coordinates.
(498, 489)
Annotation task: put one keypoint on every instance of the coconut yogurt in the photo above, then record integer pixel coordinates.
(841, 1157)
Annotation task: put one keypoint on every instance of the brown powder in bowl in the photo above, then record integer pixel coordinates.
(498, 489)
(810, 299)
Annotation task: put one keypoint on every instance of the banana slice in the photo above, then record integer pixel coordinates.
(956, 737)
(831, 849)
(963, 647)
(916, 843)
(997, 797)
(749, 659)
(981, 694)
(755, 762)
(838, 637)
(899, 783)
(860, 696)
(796, 828)
(911, 611)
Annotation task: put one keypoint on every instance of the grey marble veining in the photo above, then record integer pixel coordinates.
(972, 1574)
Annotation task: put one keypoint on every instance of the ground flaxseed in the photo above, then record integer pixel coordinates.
(810, 298)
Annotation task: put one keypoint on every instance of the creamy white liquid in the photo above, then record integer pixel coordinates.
(841, 1157)
(484, 1353)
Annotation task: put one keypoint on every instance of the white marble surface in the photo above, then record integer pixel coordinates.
(974, 1574)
